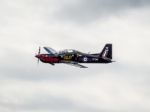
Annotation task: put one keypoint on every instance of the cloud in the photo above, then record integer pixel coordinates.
(121, 86)
(85, 11)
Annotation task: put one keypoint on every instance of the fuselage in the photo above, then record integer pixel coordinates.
(89, 58)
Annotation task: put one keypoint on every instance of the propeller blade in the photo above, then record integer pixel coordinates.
(38, 61)
(39, 50)
(39, 54)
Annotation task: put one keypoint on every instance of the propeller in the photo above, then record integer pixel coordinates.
(39, 51)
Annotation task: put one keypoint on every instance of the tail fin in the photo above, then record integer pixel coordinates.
(106, 52)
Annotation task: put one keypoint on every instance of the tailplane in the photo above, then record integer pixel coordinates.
(106, 52)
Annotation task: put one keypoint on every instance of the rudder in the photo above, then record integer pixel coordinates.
(106, 52)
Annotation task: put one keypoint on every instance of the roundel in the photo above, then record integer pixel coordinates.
(85, 59)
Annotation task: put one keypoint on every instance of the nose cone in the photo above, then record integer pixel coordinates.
(37, 56)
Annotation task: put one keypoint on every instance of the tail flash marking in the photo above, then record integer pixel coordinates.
(105, 52)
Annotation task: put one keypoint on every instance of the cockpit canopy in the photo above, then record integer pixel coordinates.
(69, 51)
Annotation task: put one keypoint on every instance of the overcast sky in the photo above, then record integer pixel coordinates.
(85, 25)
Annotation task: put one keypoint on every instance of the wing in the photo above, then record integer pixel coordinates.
(72, 63)
(50, 50)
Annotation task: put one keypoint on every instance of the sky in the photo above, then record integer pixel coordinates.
(84, 25)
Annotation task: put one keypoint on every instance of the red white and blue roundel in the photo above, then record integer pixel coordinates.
(85, 59)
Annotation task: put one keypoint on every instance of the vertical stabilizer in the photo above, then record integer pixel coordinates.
(106, 52)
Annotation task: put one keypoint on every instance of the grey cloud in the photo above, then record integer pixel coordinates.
(44, 102)
(89, 10)
(103, 88)
(47, 103)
